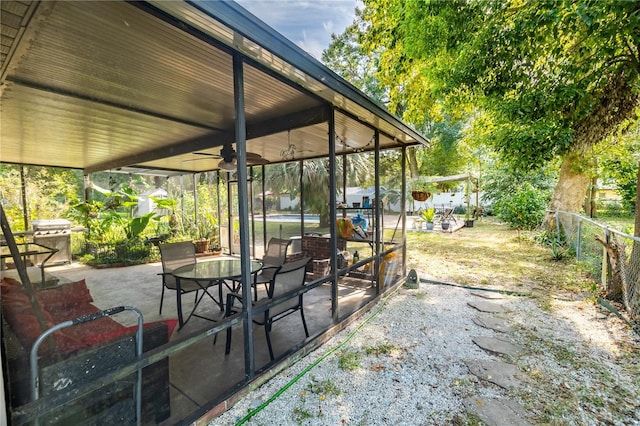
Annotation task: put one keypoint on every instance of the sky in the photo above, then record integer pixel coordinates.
(309, 24)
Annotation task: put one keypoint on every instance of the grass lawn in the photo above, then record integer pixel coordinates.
(624, 224)
(492, 255)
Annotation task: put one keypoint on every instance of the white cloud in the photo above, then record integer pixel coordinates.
(307, 24)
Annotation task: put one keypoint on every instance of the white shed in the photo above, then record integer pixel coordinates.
(147, 205)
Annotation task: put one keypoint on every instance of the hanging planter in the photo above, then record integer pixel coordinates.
(421, 188)
(420, 195)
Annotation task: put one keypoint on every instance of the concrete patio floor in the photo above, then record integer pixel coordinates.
(202, 375)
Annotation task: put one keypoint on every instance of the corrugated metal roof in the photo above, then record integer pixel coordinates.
(97, 85)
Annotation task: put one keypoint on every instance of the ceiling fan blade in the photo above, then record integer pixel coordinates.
(196, 159)
(208, 154)
(258, 161)
(253, 156)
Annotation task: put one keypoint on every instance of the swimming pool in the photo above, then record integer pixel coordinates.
(310, 218)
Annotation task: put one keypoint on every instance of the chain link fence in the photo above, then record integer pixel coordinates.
(582, 234)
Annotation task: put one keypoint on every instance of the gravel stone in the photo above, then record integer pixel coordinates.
(422, 379)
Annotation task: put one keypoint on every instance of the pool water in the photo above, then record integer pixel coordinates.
(310, 218)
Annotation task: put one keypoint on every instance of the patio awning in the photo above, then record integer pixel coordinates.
(149, 85)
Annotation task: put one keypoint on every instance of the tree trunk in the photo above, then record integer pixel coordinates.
(615, 284)
(412, 161)
(590, 201)
(571, 188)
(620, 288)
(634, 260)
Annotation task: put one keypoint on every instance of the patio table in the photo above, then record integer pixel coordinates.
(207, 274)
(26, 250)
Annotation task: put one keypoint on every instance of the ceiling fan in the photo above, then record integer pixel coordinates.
(228, 158)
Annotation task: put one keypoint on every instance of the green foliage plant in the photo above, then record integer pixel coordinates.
(349, 360)
(524, 209)
(384, 348)
(558, 251)
(115, 234)
(324, 387)
(428, 214)
(300, 414)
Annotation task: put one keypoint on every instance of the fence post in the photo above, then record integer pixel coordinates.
(557, 225)
(605, 259)
(578, 242)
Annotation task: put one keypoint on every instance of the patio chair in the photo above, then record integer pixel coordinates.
(175, 255)
(448, 215)
(287, 278)
(274, 256)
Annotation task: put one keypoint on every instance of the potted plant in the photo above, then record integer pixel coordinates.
(207, 230)
(202, 245)
(427, 215)
(422, 188)
(214, 248)
(468, 222)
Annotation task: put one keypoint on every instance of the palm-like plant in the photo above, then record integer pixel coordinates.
(315, 180)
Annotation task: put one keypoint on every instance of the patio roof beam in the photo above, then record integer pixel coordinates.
(263, 128)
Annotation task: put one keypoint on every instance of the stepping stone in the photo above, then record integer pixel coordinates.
(488, 295)
(493, 324)
(497, 345)
(496, 412)
(483, 306)
(497, 372)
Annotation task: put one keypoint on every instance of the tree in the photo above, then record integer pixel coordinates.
(500, 182)
(48, 192)
(619, 158)
(446, 155)
(552, 78)
(346, 57)
(315, 180)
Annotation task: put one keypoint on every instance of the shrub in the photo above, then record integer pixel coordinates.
(524, 209)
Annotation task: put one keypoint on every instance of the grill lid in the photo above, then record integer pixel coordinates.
(50, 224)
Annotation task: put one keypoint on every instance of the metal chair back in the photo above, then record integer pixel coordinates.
(175, 255)
(276, 252)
